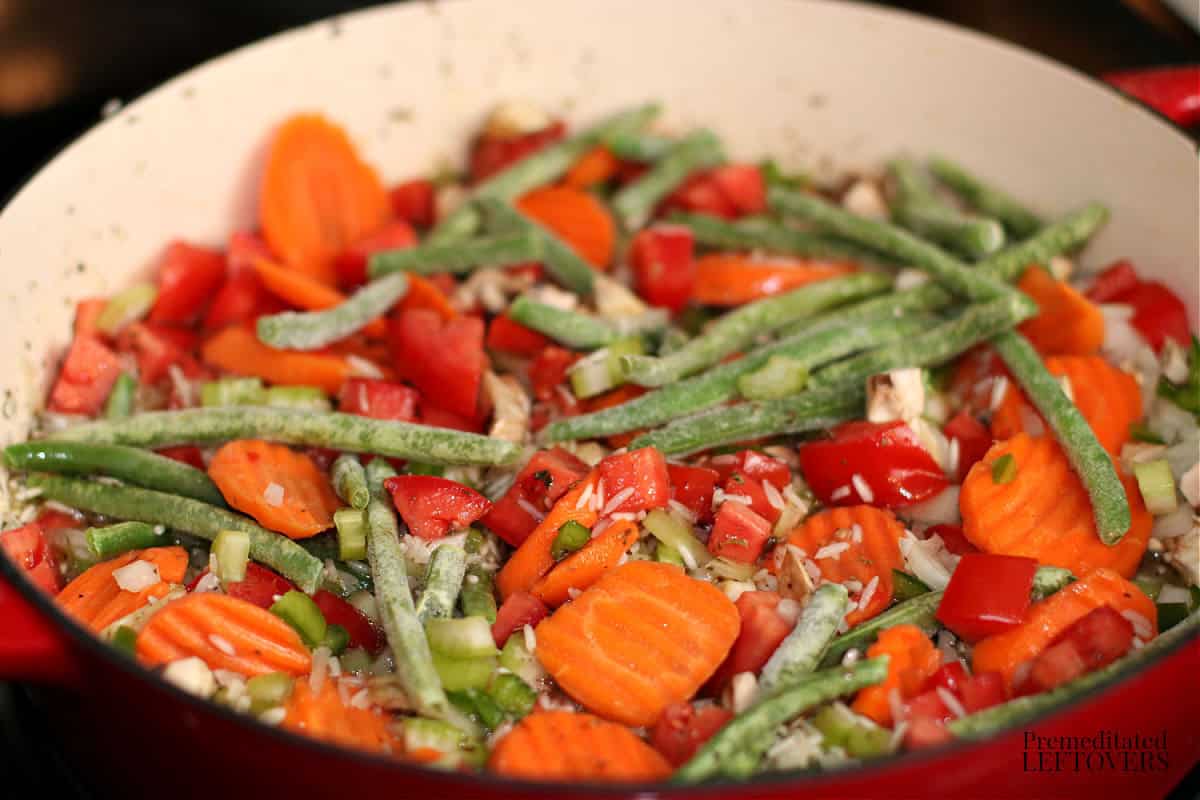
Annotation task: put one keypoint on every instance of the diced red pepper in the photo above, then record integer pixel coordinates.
(188, 277)
(241, 298)
(413, 201)
(351, 263)
(1116, 279)
(518, 610)
(549, 370)
(432, 506)
(185, 454)
(973, 614)
(738, 533)
(1158, 313)
(491, 154)
(700, 195)
(27, 548)
(983, 690)
(974, 440)
(694, 488)
(87, 376)
(260, 587)
(378, 399)
(743, 186)
(745, 473)
(663, 267)
(547, 476)
(444, 359)
(950, 676)
(644, 471)
(363, 632)
(953, 537)
(761, 632)
(1095, 640)
(157, 348)
(683, 728)
(505, 335)
(441, 418)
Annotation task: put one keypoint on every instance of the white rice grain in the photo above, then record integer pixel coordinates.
(273, 494)
(530, 509)
(832, 550)
(840, 493)
(999, 387)
(585, 496)
(869, 591)
(860, 486)
(616, 500)
(772, 494)
(222, 644)
(530, 638)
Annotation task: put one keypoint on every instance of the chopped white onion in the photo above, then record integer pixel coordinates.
(136, 576)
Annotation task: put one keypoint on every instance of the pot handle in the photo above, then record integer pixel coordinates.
(31, 648)
(1173, 92)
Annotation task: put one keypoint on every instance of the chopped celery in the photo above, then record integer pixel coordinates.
(457, 746)
(571, 536)
(906, 587)
(365, 602)
(1157, 485)
(1150, 585)
(298, 610)
(600, 370)
(667, 554)
(232, 392)
(269, 691)
(463, 672)
(310, 397)
(517, 659)
(479, 706)
(859, 736)
(728, 568)
(126, 308)
(511, 694)
(1004, 469)
(466, 637)
(351, 524)
(125, 640)
(119, 404)
(232, 549)
(671, 530)
(779, 377)
(337, 638)
(355, 660)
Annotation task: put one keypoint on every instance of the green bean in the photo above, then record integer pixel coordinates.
(182, 514)
(1110, 506)
(459, 257)
(1023, 709)
(810, 349)
(538, 169)
(128, 464)
(478, 598)
(120, 400)
(807, 411)
(311, 330)
(918, 611)
(333, 430)
(747, 736)
(405, 634)
(938, 345)
(350, 481)
(762, 233)
(560, 259)
(443, 581)
(578, 330)
(636, 201)
(1048, 580)
(988, 199)
(737, 329)
(800, 652)
(644, 147)
(918, 208)
(112, 540)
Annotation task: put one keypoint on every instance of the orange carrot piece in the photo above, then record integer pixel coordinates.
(1044, 512)
(306, 292)
(641, 638)
(236, 349)
(566, 746)
(1067, 323)
(248, 471)
(1046, 619)
(595, 166)
(532, 559)
(1108, 398)
(874, 557)
(912, 658)
(225, 633)
(323, 715)
(733, 279)
(317, 196)
(583, 568)
(95, 599)
(424, 293)
(576, 217)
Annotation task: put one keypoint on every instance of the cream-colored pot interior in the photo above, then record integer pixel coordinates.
(814, 83)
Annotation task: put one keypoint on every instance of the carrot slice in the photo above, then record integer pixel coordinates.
(1046, 619)
(577, 218)
(866, 558)
(566, 746)
(306, 292)
(595, 166)
(733, 279)
(237, 349)
(317, 196)
(912, 658)
(225, 633)
(282, 489)
(1044, 512)
(95, 599)
(1108, 398)
(532, 559)
(583, 568)
(423, 293)
(323, 715)
(1067, 323)
(642, 637)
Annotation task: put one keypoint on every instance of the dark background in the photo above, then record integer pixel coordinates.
(62, 60)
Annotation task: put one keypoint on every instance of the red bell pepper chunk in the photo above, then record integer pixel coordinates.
(761, 632)
(363, 632)
(694, 488)
(683, 728)
(87, 376)
(1098, 638)
(431, 506)
(1116, 279)
(953, 537)
(157, 348)
(351, 263)
(974, 440)
(743, 186)
(926, 716)
(506, 335)
(549, 371)
(379, 399)
(244, 248)
(27, 548)
(950, 676)
(261, 586)
(973, 612)
(241, 298)
(441, 418)
(745, 473)
(887, 457)
(738, 533)
(491, 154)
(1173, 92)
(644, 472)
(444, 359)
(1158, 313)
(518, 610)
(185, 454)
(547, 477)
(413, 201)
(188, 277)
(982, 691)
(700, 195)
(664, 269)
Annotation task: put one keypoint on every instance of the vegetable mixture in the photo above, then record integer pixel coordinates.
(615, 460)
